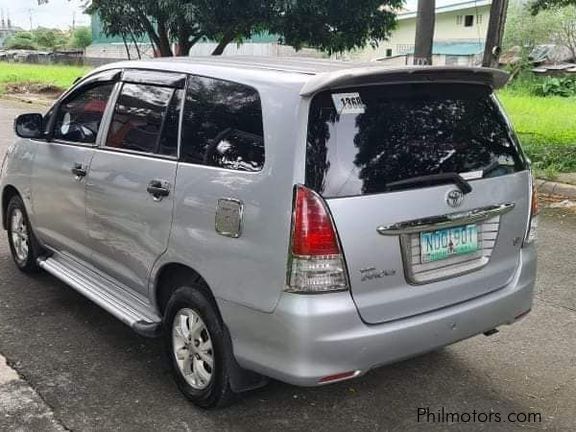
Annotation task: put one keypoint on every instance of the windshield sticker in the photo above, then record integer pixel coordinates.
(348, 103)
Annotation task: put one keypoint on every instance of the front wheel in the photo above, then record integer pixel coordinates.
(198, 348)
(23, 244)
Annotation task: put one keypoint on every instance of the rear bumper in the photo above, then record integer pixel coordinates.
(311, 337)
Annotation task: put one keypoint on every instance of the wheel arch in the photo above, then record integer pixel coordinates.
(8, 193)
(169, 277)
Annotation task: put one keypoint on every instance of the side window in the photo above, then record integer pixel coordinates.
(146, 119)
(222, 125)
(79, 116)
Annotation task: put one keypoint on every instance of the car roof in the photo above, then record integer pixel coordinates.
(312, 75)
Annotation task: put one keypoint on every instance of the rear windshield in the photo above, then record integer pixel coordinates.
(365, 140)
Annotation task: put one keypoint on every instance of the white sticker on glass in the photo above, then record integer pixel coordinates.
(348, 103)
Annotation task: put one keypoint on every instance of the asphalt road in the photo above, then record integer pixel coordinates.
(97, 375)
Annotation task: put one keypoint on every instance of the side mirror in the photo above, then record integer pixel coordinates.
(29, 126)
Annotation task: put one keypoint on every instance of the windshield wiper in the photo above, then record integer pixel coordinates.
(432, 180)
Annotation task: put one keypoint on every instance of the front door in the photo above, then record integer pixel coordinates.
(131, 181)
(61, 166)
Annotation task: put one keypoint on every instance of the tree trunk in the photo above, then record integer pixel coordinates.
(164, 46)
(425, 22)
(493, 47)
(126, 47)
(185, 44)
(136, 45)
(226, 39)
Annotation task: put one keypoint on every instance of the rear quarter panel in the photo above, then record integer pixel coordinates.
(249, 270)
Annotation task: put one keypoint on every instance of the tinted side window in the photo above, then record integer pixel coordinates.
(141, 113)
(222, 125)
(79, 116)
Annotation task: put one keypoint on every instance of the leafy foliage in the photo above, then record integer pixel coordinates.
(81, 38)
(49, 39)
(554, 86)
(336, 25)
(537, 6)
(330, 25)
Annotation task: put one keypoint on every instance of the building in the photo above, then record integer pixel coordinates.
(108, 48)
(6, 28)
(459, 36)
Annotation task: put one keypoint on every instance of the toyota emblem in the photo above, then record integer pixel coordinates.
(455, 198)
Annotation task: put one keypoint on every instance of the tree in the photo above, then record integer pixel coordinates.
(21, 40)
(335, 25)
(425, 22)
(81, 37)
(329, 25)
(560, 18)
(536, 6)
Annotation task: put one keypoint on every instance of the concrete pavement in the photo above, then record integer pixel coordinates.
(92, 373)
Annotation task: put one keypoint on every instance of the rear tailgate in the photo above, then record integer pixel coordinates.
(413, 247)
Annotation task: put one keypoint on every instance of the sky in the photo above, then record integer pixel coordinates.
(61, 13)
(57, 13)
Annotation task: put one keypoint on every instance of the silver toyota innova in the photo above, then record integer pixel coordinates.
(302, 220)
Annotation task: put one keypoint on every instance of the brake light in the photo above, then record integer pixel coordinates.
(533, 221)
(316, 263)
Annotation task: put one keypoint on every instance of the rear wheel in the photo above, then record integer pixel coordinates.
(198, 348)
(23, 245)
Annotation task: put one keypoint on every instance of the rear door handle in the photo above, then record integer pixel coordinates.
(79, 171)
(158, 189)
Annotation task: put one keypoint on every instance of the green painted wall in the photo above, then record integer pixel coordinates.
(98, 36)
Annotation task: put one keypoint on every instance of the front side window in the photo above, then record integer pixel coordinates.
(145, 119)
(79, 116)
(389, 134)
(222, 125)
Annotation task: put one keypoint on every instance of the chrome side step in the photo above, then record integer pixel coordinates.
(124, 305)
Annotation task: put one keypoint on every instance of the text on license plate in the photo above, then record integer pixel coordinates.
(444, 243)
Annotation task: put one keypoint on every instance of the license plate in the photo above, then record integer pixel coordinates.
(445, 243)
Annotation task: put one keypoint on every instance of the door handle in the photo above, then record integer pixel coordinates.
(79, 171)
(158, 189)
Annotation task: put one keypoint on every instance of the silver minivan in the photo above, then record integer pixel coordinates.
(293, 219)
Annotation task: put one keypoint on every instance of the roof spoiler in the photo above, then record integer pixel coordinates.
(493, 78)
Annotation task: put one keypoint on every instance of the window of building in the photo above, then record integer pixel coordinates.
(459, 19)
(146, 119)
(479, 19)
(222, 125)
(79, 116)
(389, 52)
(468, 20)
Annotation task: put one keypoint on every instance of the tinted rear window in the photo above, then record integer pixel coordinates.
(386, 134)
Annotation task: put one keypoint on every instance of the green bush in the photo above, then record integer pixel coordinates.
(553, 86)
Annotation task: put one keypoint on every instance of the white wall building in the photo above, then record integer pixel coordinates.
(459, 36)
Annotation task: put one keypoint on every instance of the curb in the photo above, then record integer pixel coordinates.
(27, 100)
(555, 188)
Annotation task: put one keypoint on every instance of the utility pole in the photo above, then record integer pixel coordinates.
(425, 21)
(493, 47)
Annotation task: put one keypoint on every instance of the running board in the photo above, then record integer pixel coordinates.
(119, 301)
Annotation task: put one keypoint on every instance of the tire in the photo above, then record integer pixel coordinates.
(191, 326)
(24, 247)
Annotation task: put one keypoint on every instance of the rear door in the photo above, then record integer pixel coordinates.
(131, 181)
(415, 239)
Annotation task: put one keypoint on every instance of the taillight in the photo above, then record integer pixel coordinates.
(316, 263)
(533, 222)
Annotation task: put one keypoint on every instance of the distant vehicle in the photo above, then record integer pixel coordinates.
(296, 219)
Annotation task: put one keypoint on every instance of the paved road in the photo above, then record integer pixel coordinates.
(96, 375)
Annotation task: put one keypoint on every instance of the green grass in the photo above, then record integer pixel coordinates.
(58, 76)
(546, 127)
